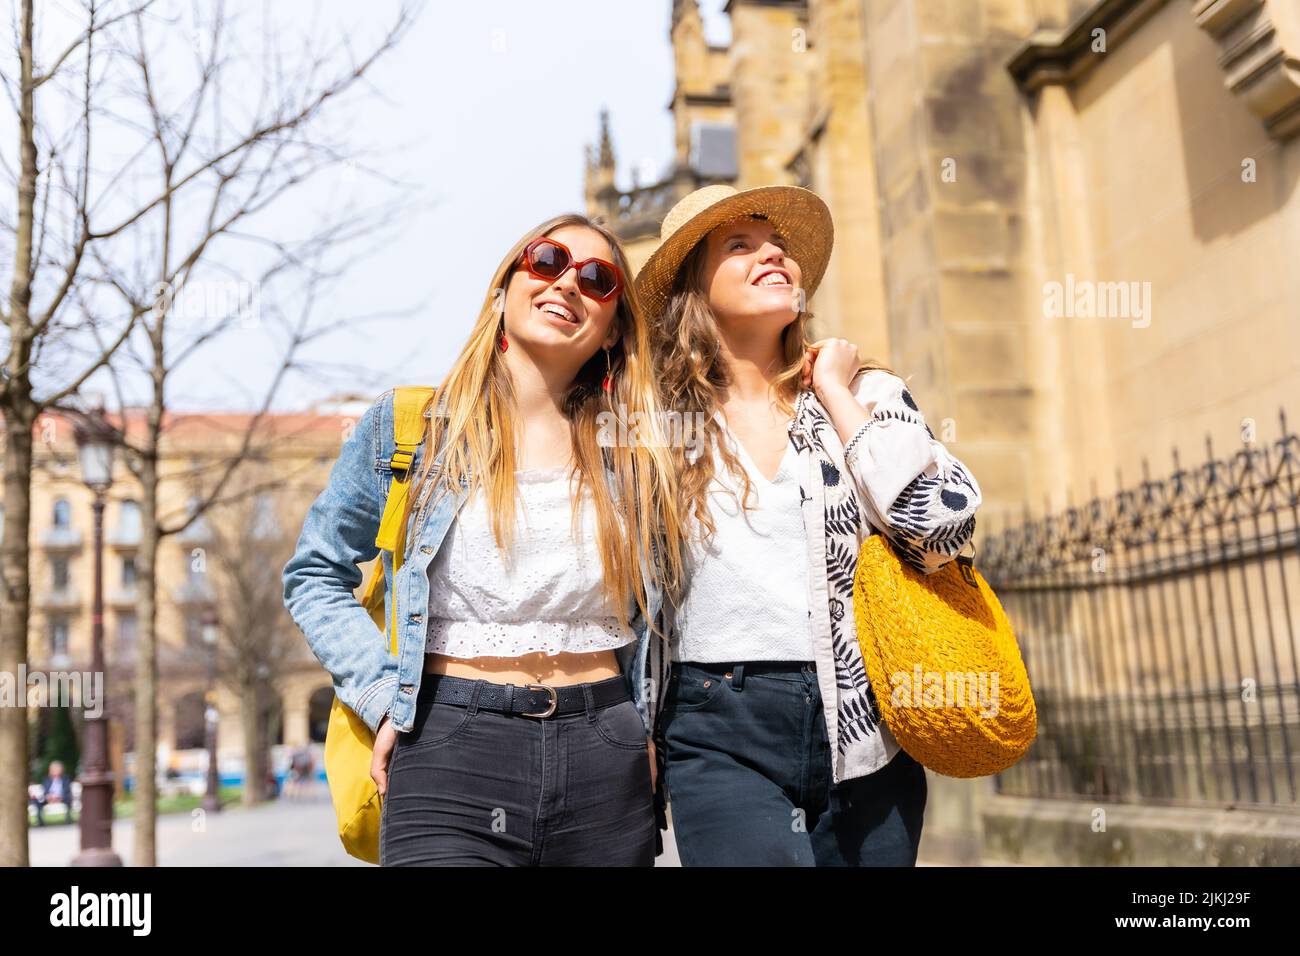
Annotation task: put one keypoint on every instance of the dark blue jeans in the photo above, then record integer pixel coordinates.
(472, 787)
(748, 774)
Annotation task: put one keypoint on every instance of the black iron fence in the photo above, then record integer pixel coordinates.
(1159, 628)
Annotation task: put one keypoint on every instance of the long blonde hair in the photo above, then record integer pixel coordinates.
(477, 429)
(693, 374)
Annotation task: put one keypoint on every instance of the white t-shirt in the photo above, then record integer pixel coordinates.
(747, 593)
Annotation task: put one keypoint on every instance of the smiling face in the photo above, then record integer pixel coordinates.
(751, 283)
(552, 316)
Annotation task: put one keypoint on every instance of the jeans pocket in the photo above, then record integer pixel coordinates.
(435, 725)
(691, 690)
(620, 725)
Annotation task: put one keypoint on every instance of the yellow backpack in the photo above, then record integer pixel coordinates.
(349, 743)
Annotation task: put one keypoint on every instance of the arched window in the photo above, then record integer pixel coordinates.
(62, 513)
(318, 713)
(129, 518)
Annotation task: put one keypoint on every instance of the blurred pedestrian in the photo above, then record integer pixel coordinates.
(56, 789)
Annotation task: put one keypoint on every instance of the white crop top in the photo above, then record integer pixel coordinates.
(548, 599)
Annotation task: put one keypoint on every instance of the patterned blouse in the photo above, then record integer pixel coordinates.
(894, 477)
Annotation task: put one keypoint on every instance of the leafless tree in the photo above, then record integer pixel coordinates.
(257, 641)
(145, 174)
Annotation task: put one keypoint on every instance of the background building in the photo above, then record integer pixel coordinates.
(975, 151)
(1072, 226)
(270, 690)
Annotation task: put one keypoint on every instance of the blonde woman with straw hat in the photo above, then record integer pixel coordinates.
(771, 742)
(513, 723)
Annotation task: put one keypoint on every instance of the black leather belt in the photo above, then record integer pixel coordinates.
(527, 700)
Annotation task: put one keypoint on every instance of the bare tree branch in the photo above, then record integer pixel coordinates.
(86, 37)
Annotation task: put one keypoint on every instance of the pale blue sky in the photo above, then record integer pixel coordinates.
(453, 105)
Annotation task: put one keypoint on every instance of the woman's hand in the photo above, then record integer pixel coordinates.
(829, 367)
(654, 769)
(829, 364)
(385, 738)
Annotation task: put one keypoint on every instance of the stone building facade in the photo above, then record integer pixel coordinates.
(207, 574)
(1072, 225)
(984, 159)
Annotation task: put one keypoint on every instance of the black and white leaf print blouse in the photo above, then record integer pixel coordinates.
(912, 488)
(891, 477)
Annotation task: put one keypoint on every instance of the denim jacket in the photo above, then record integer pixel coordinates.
(322, 576)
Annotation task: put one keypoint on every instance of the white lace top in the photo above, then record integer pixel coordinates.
(549, 598)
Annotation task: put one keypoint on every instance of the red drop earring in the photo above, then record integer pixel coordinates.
(503, 344)
(607, 384)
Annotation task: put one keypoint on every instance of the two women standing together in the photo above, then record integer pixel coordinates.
(590, 631)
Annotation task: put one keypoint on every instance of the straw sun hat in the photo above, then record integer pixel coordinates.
(799, 214)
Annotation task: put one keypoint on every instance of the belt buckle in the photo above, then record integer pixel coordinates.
(555, 700)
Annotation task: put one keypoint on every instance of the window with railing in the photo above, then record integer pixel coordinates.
(128, 517)
(127, 530)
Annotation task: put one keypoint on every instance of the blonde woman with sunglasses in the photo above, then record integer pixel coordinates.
(513, 726)
(773, 747)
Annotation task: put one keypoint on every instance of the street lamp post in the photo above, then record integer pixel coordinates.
(95, 446)
(211, 799)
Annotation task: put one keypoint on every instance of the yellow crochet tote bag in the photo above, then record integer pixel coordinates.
(943, 661)
(349, 742)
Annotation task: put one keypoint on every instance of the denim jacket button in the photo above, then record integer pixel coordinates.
(407, 688)
(415, 618)
(425, 549)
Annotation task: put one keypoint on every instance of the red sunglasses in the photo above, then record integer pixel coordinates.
(547, 259)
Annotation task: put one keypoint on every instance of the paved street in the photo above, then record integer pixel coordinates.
(297, 832)
(284, 833)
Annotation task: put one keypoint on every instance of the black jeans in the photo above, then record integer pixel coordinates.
(471, 787)
(748, 773)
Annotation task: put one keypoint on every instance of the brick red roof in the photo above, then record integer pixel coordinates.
(199, 430)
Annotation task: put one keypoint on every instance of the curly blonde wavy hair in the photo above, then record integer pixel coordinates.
(693, 374)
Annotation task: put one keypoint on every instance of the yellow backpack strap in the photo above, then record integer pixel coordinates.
(408, 431)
